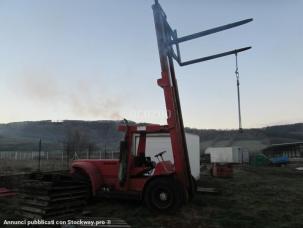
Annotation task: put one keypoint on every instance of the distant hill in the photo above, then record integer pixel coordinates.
(254, 139)
(24, 136)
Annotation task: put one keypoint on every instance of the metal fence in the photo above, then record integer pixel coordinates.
(57, 155)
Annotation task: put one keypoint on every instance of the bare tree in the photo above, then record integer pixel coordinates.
(76, 143)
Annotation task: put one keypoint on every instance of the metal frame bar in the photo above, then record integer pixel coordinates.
(173, 39)
(210, 31)
(213, 56)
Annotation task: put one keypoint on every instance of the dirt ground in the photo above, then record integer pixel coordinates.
(254, 197)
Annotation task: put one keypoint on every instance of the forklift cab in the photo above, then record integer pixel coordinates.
(138, 163)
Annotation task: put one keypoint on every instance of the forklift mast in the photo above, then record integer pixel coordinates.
(174, 114)
(167, 39)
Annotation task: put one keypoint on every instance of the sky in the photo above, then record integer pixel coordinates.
(98, 59)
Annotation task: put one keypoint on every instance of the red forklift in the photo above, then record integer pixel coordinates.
(165, 185)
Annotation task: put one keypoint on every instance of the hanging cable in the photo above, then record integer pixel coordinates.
(238, 93)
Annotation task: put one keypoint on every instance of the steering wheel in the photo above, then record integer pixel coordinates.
(160, 153)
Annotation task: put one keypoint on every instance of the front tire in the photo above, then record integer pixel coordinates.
(80, 177)
(163, 195)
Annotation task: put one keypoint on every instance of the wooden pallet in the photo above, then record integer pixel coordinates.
(52, 196)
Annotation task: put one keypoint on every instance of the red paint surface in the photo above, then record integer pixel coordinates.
(4, 192)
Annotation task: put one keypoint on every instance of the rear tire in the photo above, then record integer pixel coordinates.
(163, 195)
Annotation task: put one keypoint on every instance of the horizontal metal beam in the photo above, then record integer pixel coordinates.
(210, 31)
(213, 56)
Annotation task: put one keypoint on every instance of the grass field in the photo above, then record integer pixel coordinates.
(263, 197)
(254, 197)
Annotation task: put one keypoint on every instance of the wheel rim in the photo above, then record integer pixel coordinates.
(162, 198)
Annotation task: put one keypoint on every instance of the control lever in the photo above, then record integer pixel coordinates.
(160, 154)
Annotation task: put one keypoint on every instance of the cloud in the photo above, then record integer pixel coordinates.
(81, 99)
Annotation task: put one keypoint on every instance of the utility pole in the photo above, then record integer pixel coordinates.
(238, 93)
(39, 158)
